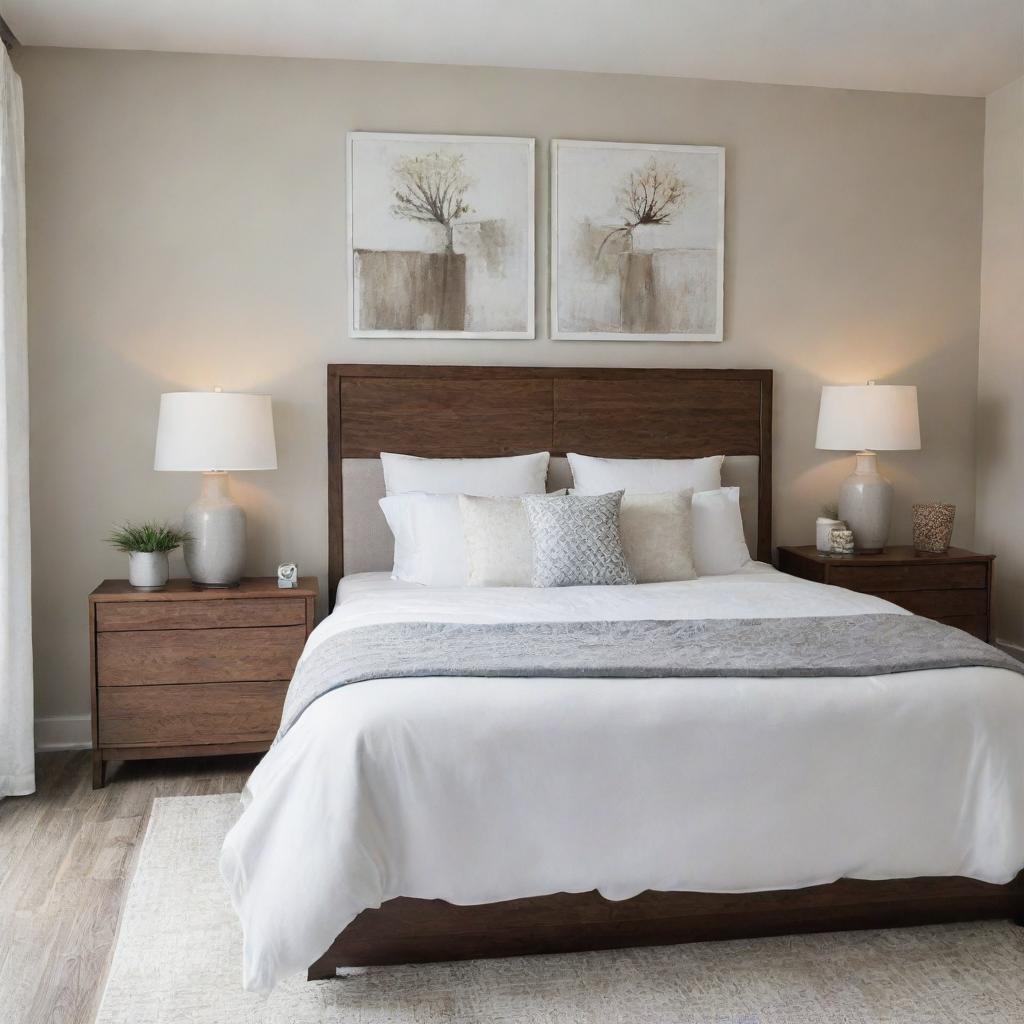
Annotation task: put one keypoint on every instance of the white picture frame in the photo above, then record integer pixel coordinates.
(596, 296)
(407, 240)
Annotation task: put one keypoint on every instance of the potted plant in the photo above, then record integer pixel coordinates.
(147, 545)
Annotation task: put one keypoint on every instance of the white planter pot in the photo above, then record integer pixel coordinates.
(147, 570)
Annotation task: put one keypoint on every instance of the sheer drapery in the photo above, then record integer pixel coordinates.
(17, 770)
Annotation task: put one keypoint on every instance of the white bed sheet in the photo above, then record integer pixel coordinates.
(474, 790)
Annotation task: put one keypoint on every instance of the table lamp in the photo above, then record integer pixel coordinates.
(866, 418)
(214, 432)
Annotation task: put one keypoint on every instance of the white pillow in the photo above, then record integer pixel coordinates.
(429, 543)
(504, 477)
(657, 536)
(644, 476)
(719, 546)
(499, 548)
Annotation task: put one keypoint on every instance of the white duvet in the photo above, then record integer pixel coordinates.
(477, 790)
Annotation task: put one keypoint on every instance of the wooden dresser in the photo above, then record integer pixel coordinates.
(191, 671)
(955, 588)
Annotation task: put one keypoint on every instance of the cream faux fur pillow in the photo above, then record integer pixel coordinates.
(499, 549)
(657, 536)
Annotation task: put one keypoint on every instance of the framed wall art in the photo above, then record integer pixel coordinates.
(637, 241)
(440, 236)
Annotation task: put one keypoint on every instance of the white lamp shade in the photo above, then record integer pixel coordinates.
(206, 431)
(868, 417)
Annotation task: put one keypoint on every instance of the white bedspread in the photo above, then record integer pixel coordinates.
(478, 790)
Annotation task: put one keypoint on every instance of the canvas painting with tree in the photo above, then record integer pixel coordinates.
(440, 236)
(638, 241)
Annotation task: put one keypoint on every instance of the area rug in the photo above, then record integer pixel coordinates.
(178, 955)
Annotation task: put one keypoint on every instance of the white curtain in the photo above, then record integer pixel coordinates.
(17, 761)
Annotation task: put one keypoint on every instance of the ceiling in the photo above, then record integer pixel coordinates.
(958, 47)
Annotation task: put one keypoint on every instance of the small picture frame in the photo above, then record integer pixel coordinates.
(287, 576)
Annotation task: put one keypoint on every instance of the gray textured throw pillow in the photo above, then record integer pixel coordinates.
(576, 541)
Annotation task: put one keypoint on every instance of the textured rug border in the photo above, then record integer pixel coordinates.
(368, 1001)
(140, 849)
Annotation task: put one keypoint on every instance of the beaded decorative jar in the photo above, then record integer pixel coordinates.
(841, 541)
(933, 528)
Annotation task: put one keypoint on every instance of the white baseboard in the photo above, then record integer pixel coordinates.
(64, 732)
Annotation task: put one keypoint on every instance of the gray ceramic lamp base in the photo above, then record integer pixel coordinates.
(865, 504)
(215, 555)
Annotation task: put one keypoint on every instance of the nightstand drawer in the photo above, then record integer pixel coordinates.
(206, 713)
(209, 614)
(187, 670)
(876, 579)
(148, 657)
(938, 604)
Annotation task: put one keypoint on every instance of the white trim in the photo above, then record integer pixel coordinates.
(556, 335)
(531, 308)
(64, 732)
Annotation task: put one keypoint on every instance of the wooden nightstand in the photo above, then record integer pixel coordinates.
(187, 671)
(955, 588)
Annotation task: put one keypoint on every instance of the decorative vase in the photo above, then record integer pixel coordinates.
(638, 292)
(823, 527)
(841, 541)
(147, 570)
(933, 528)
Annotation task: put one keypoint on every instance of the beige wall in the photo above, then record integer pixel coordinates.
(187, 228)
(1001, 364)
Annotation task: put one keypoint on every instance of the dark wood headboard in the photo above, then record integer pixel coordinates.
(484, 411)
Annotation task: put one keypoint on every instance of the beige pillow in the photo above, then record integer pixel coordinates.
(656, 530)
(657, 536)
(499, 548)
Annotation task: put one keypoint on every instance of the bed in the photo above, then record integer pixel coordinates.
(419, 819)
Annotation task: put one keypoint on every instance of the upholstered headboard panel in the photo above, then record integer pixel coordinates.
(482, 411)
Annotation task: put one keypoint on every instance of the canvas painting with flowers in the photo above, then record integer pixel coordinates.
(441, 236)
(638, 241)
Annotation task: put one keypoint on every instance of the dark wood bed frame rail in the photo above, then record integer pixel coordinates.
(407, 931)
(481, 411)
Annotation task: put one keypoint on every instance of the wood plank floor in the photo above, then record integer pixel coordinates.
(67, 854)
